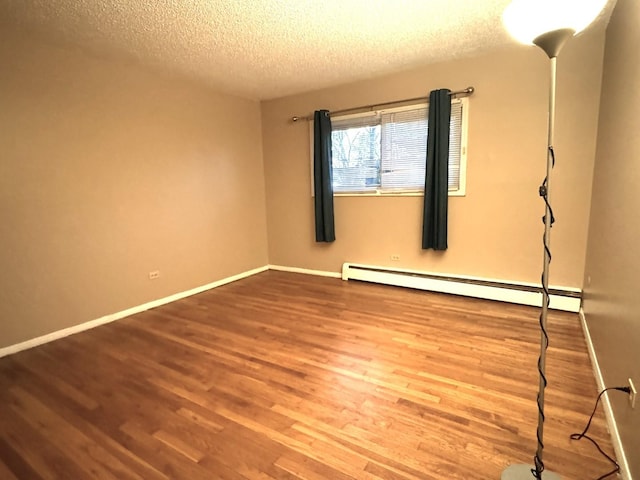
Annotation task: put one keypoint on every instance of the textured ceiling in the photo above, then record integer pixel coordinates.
(265, 49)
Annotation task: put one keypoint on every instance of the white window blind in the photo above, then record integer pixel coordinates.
(456, 148)
(404, 149)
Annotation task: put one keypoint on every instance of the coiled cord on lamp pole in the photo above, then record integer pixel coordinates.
(544, 193)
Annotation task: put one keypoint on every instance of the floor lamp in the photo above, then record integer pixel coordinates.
(548, 24)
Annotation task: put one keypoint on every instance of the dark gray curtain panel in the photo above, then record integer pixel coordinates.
(436, 184)
(322, 177)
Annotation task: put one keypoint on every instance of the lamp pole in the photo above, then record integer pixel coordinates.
(551, 42)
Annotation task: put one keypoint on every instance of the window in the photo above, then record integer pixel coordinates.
(384, 152)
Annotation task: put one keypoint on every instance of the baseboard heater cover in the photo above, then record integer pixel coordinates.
(566, 299)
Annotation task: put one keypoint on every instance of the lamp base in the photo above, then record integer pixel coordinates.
(523, 472)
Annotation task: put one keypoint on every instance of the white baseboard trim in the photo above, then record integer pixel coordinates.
(606, 404)
(306, 271)
(34, 342)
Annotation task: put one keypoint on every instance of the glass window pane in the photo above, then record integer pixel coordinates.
(356, 158)
(387, 150)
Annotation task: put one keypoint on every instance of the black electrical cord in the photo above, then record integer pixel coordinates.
(544, 193)
(580, 436)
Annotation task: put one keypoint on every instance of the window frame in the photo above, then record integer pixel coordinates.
(460, 192)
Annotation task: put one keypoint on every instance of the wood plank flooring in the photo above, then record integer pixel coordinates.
(287, 376)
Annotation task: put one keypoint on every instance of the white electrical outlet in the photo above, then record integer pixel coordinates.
(632, 394)
(153, 275)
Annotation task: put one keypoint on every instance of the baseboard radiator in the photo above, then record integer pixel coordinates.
(567, 299)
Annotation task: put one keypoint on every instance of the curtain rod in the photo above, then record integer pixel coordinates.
(466, 91)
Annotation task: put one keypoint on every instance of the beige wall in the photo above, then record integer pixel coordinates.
(109, 171)
(495, 231)
(612, 300)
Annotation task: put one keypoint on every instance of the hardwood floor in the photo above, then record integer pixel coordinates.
(287, 376)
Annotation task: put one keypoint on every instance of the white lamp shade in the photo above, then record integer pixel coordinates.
(527, 19)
